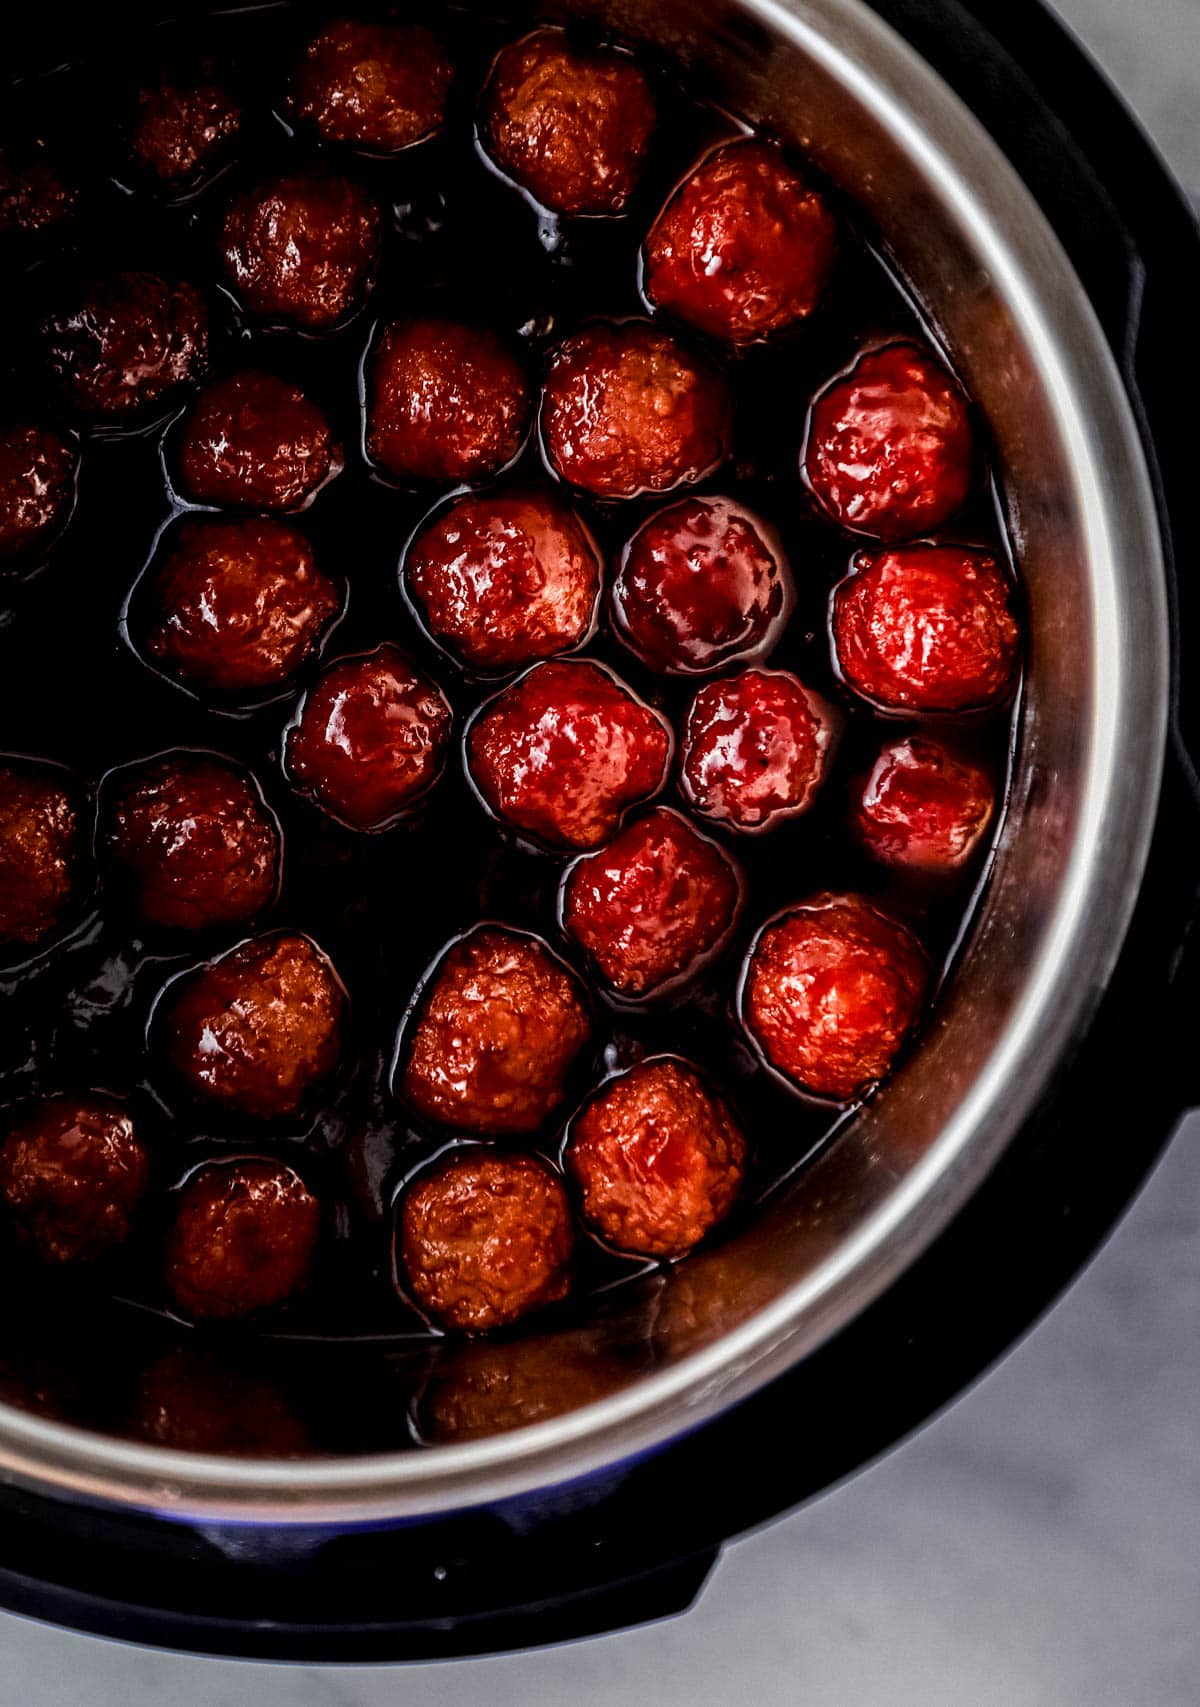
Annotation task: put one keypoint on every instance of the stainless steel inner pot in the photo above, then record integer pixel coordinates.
(987, 270)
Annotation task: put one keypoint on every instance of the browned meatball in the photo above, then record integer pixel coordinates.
(123, 344)
(37, 489)
(35, 195)
(39, 850)
(378, 86)
(486, 1239)
(256, 1030)
(196, 1400)
(482, 1388)
(183, 127)
(72, 1172)
(243, 1240)
(302, 249)
(255, 442)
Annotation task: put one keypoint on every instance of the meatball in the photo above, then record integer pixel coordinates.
(257, 1029)
(628, 409)
(376, 86)
(183, 127)
(570, 125)
(700, 585)
(35, 195)
(564, 752)
(239, 606)
(658, 1159)
(256, 442)
(923, 805)
(195, 840)
(243, 1239)
(123, 344)
(744, 248)
(756, 749)
(40, 847)
(829, 991)
(888, 450)
(445, 402)
(37, 489)
(926, 628)
(499, 1026)
(72, 1173)
(505, 578)
(302, 249)
(370, 738)
(485, 1240)
(649, 910)
(482, 1388)
(197, 1400)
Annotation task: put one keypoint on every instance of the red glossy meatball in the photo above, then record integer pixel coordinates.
(256, 442)
(197, 1400)
(302, 249)
(653, 906)
(485, 1240)
(72, 1173)
(370, 739)
(500, 1025)
(570, 125)
(565, 751)
(183, 128)
(243, 1240)
(121, 345)
(926, 628)
(195, 839)
(505, 578)
(34, 193)
(445, 402)
(37, 488)
(257, 1029)
(376, 86)
(744, 248)
(701, 584)
(40, 846)
(830, 990)
(889, 450)
(923, 805)
(658, 1159)
(756, 749)
(239, 606)
(628, 409)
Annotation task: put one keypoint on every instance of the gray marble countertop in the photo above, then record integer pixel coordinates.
(1036, 1546)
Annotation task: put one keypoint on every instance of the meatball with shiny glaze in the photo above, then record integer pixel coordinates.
(37, 489)
(923, 806)
(370, 739)
(485, 1240)
(35, 194)
(376, 86)
(255, 442)
(628, 409)
(126, 343)
(243, 1240)
(40, 848)
(757, 747)
(498, 1028)
(302, 249)
(183, 128)
(830, 990)
(72, 1174)
(563, 753)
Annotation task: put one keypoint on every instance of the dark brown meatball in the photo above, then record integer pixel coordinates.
(194, 838)
(37, 489)
(486, 1239)
(256, 442)
(302, 249)
(377, 86)
(258, 1028)
(40, 848)
(243, 1240)
(482, 1388)
(72, 1172)
(183, 127)
(196, 1400)
(35, 194)
(123, 344)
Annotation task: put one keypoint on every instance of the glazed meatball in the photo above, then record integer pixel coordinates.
(37, 489)
(482, 1388)
(628, 409)
(756, 749)
(505, 578)
(658, 1159)
(485, 1240)
(653, 906)
(564, 752)
(370, 739)
(445, 402)
(926, 628)
(829, 992)
(243, 1240)
(121, 345)
(40, 848)
(744, 248)
(700, 585)
(194, 839)
(889, 450)
(923, 806)
(259, 1028)
(302, 249)
(72, 1173)
(34, 193)
(255, 442)
(238, 606)
(376, 86)
(570, 125)
(196, 1400)
(499, 1027)
(183, 128)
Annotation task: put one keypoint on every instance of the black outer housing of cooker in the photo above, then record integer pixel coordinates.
(636, 1542)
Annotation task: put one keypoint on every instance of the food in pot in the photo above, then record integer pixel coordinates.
(483, 1387)
(243, 1239)
(40, 848)
(253, 441)
(374, 85)
(301, 249)
(73, 1172)
(37, 488)
(184, 126)
(193, 1399)
(121, 344)
(757, 747)
(923, 805)
(35, 193)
